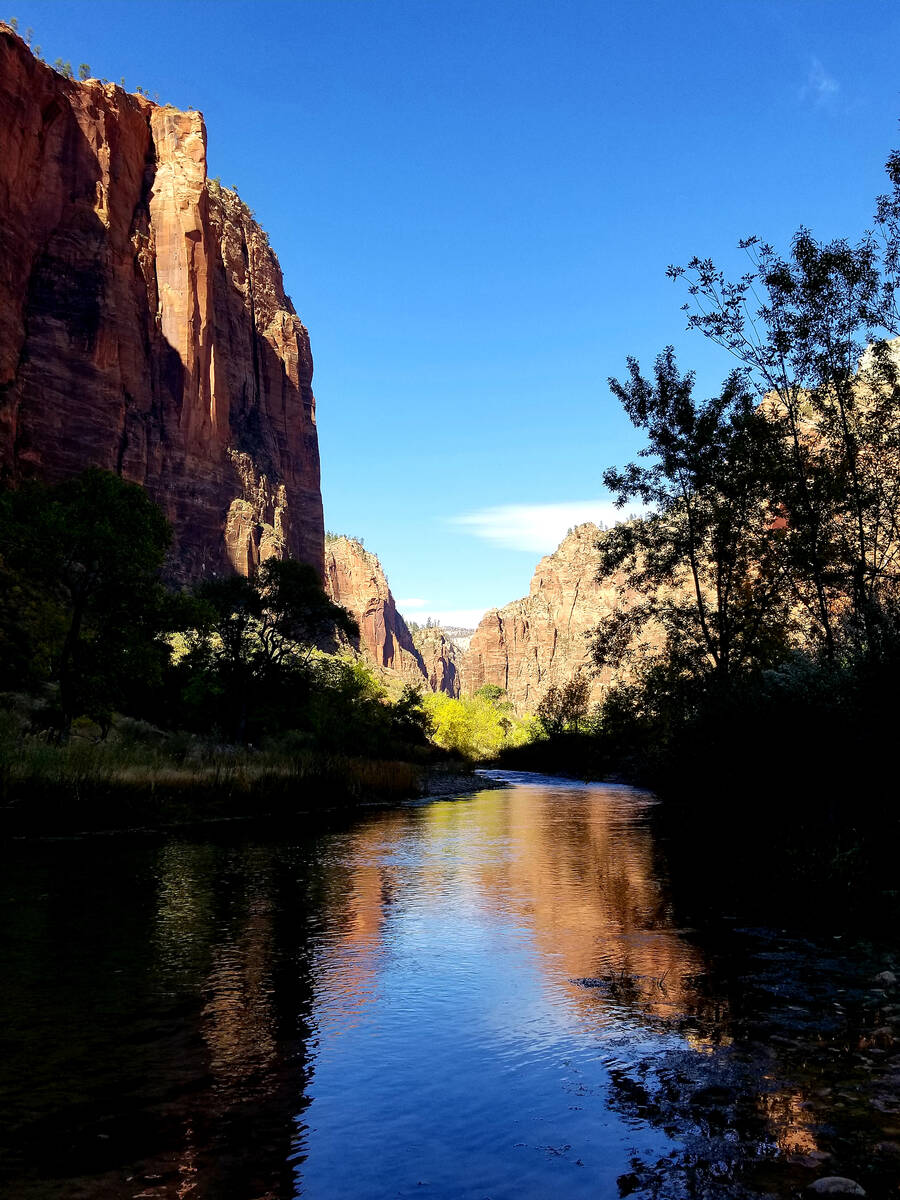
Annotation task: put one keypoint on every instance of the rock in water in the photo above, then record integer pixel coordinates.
(835, 1185)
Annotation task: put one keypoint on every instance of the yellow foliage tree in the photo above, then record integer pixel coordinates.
(474, 726)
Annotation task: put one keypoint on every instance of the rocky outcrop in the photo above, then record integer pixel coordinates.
(354, 578)
(544, 638)
(144, 326)
(440, 659)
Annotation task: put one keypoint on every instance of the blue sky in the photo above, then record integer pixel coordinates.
(474, 205)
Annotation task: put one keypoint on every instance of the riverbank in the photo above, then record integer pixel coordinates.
(88, 785)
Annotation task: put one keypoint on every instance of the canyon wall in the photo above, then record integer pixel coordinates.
(144, 326)
(440, 658)
(354, 578)
(544, 639)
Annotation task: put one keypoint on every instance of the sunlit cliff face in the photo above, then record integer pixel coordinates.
(144, 326)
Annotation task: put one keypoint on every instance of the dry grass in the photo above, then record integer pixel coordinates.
(123, 782)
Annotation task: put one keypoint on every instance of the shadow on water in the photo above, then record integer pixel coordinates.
(489, 997)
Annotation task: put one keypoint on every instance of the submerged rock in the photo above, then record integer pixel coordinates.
(836, 1185)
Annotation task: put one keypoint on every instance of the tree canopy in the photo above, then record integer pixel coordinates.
(84, 557)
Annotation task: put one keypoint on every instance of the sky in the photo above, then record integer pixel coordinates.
(474, 205)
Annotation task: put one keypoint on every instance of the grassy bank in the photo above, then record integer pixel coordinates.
(112, 796)
(139, 777)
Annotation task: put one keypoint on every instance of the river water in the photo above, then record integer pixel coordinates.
(487, 997)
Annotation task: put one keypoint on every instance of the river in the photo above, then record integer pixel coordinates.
(485, 997)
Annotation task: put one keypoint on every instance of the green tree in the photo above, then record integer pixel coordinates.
(256, 633)
(32, 626)
(800, 325)
(409, 718)
(708, 560)
(294, 610)
(473, 726)
(562, 710)
(88, 552)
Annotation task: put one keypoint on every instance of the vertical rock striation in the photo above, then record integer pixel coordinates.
(144, 326)
(440, 660)
(354, 578)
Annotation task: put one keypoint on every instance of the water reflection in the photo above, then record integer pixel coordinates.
(572, 870)
(489, 997)
(497, 956)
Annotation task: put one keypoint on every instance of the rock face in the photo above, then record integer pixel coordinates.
(543, 639)
(355, 579)
(144, 326)
(440, 659)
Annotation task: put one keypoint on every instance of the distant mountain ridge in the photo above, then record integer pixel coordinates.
(457, 632)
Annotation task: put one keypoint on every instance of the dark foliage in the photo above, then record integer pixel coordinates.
(83, 606)
(89, 630)
(757, 668)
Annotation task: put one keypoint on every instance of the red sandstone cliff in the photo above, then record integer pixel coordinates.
(440, 660)
(143, 322)
(355, 579)
(543, 639)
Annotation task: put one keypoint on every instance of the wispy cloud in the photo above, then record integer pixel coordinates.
(820, 88)
(410, 602)
(538, 528)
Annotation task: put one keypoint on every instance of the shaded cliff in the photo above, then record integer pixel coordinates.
(144, 326)
(544, 638)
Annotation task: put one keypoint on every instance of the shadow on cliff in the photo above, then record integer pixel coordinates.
(74, 405)
(63, 307)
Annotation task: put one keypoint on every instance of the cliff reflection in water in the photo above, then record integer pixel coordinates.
(221, 940)
(355, 978)
(573, 869)
(494, 956)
